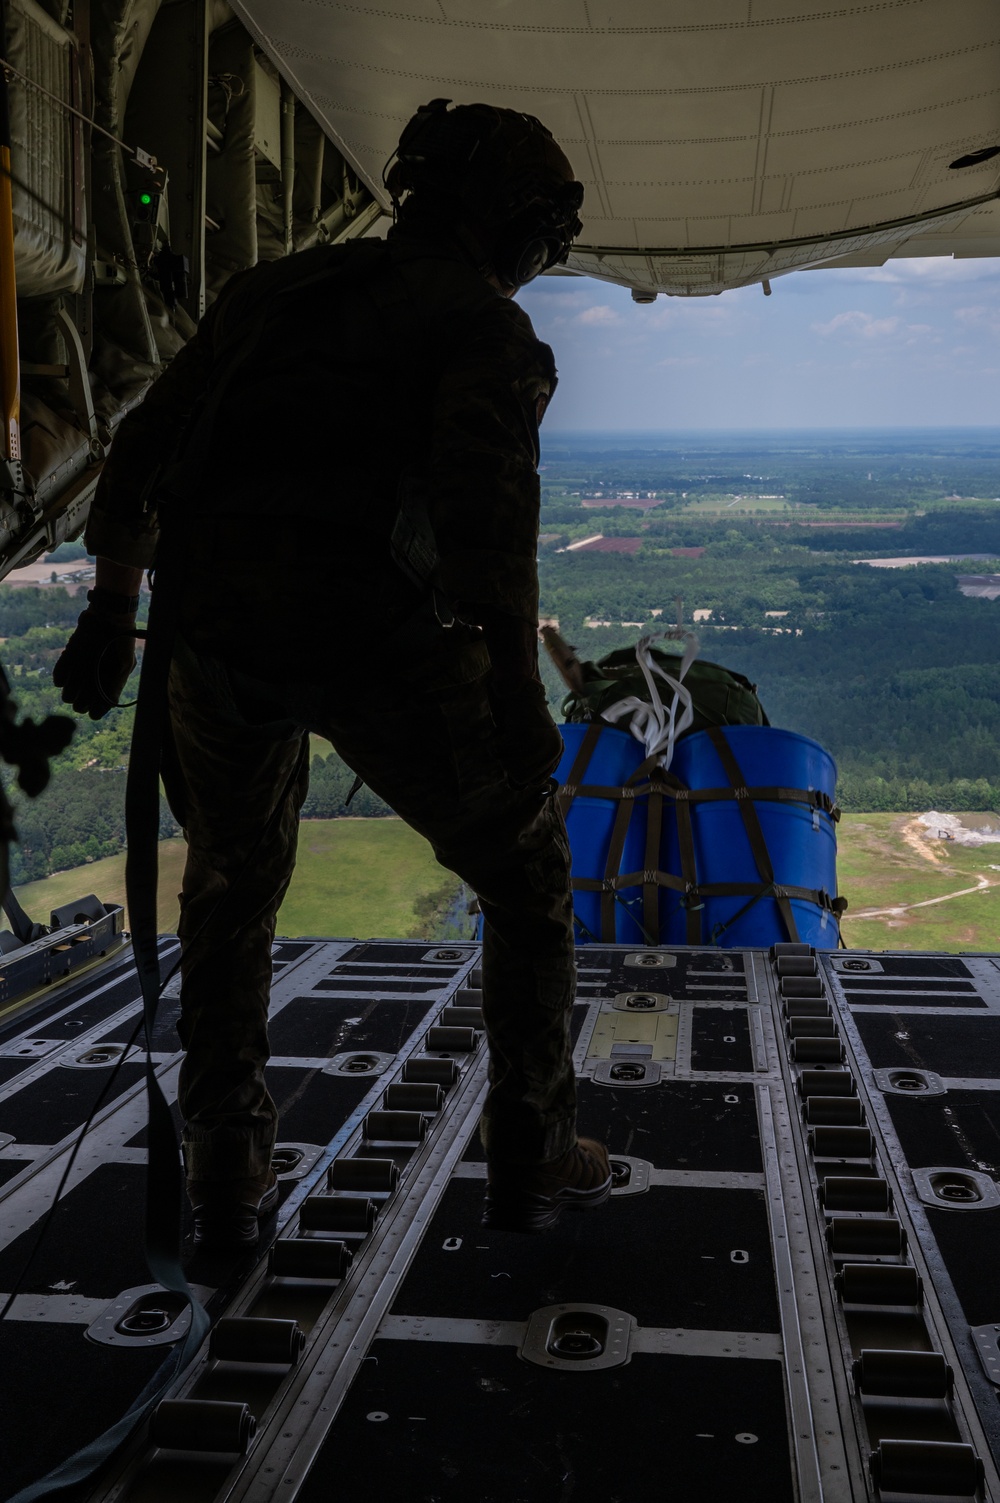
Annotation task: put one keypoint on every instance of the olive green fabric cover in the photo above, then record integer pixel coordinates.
(720, 697)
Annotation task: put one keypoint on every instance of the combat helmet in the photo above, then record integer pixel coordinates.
(504, 185)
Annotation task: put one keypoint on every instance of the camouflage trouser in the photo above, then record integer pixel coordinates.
(236, 776)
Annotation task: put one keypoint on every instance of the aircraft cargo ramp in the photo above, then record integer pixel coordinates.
(792, 1294)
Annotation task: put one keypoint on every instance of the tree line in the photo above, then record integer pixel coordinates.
(895, 672)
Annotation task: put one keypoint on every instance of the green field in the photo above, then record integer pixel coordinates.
(363, 877)
(370, 877)
(892, 862)
(354, 877)
(719, 506)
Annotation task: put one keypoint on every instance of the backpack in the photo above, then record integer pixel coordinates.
(719, 696)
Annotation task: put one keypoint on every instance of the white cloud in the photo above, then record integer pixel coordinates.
(696, 315)
(600, 314)
(917, 270)
(980, 318)
(561, 295)
(858, 323)
(742, 359)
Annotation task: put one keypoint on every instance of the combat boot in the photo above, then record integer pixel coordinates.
(531, 1197)
(227, 1213)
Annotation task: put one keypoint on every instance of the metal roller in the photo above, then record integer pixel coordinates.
(842, 1142)
(459, 1040)
(909, 1375)
(442, 1072)
(337, 1213)
(879, 1284)
(854, 1192)
(377, 1176)
(833, 1111)
(461, 1017)
(880, 1237)
(806, 1007)
(469, 996)
(202, 1425)
(247, 1339)
(790, 947)
(796, 965)
(827, 1083)
(801, 986)
(474, 978)
(309, 1258)
(396, 1127)
(411, 1096)
(816, 1051)
(929, 1468)
(811, 1028)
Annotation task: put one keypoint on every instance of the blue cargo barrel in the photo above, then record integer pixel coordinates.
(801, 841)
(589, 823)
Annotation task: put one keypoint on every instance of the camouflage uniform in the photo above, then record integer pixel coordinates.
(294, 618)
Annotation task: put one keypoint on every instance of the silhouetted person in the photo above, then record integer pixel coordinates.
(337, 476)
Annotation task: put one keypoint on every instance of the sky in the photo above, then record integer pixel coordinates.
(914, 343)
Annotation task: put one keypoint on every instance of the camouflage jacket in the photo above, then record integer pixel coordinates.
(372, 367)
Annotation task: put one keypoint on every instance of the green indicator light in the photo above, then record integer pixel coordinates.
(146, 198)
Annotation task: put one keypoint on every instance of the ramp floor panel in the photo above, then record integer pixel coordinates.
(11, 1068)
(720, 1040)
(438, 1423)
(960, 1128)
(969, 1244)
(47, 1381)
(688, 1125)
(46, 1110)
(329, 1025)
(963, 1047)
(666, 1256)
(58, 1387)
(935, 1101)
(311, 1105)
(691, 1339)
(93, 1245)
(164, 1030)
(69, 1021)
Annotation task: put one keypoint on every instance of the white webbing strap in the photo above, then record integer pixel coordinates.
(651, 723)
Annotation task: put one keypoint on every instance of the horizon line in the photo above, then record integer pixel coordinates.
(845, 428)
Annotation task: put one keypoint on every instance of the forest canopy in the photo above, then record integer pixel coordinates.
(894, 670)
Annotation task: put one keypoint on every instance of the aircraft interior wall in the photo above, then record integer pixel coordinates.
(204, 163)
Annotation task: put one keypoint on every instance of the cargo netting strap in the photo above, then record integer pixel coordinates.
(813, 798)
(647, 782)
(650, 782)
(754, 832)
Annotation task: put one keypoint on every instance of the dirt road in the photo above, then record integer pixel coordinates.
(866, 913)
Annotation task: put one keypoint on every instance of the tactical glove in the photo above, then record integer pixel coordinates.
(529, 744)
(96, 662)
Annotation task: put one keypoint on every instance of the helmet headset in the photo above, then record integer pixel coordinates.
(513, 187)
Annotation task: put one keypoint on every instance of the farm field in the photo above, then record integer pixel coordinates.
(715, 506)
(354, 877)
(367, 877)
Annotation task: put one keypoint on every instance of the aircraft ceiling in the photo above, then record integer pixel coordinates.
(721, 142)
